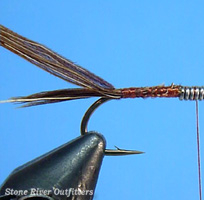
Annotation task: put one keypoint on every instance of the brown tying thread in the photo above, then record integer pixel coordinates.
(156, 91)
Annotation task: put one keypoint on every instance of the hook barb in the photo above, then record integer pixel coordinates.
(84, 124)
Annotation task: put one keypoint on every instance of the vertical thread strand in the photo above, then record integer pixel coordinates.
(198, 151)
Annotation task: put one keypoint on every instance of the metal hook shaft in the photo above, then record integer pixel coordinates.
(89, 112)
(84, 123)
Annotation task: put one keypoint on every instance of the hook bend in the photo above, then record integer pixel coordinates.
(84, 124)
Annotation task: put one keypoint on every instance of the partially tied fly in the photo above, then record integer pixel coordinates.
(91, 85)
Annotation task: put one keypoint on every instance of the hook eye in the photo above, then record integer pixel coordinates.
(84, 124)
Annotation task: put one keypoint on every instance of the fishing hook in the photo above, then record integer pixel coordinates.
(84, 124)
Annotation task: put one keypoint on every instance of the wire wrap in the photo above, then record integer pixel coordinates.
(191, 93)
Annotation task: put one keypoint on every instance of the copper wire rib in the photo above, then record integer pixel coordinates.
(92, 85)
(156, 91)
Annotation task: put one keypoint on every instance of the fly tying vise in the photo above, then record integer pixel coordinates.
(84, 123)
(92, 85)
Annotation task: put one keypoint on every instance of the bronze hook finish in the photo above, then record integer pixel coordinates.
(84, 124)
